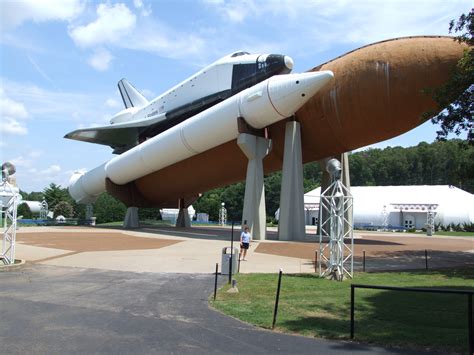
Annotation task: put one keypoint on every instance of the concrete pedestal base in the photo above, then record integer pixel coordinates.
(183, 218)
(131, 218)
(291, 224)
(254, 214)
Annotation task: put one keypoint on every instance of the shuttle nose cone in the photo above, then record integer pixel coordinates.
(288, 62)
(289, 92)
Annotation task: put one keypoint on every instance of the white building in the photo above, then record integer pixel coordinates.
(171, 214)
(402, 206)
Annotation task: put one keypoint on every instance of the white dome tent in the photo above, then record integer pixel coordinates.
(402, 206)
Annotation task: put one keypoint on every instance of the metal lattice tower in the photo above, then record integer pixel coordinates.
(8, 206)
(223, 215)
(384, 218)
(430, 217)
(89, 212)
(44, 210)
(336, 240)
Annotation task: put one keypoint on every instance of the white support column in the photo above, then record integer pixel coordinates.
(346, 181)
(254, 214)
(131, 218)
(183, 220)
(291, 224)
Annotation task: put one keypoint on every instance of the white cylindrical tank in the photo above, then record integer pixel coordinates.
(34, 206)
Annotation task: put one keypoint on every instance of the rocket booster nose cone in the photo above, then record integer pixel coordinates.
(288, 62)
(289, 92)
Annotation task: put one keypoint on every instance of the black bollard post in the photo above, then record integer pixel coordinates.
(277, 299)
(363, 261)
(231, 252)
(315, 261)
(426, 259)
(469, 324)
(352, 310)
(215, 281)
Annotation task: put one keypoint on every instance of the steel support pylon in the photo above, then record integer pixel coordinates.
(336, 240)
(8, 206)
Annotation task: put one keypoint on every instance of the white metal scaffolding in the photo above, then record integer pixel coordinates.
(222, 215)
(336, 242)
(8, 206)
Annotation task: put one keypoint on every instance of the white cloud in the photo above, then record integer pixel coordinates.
(320, 26)
(113, 22)
(35, 154)
(144, 10)
(12, 113)
(117, 26)
(21, 162)
(14, 13)
(160, 39)
(101, 59)
(52, 106)
(112, 103)
(41, 72)
(11, 126)
(149, 94)
(52, 170)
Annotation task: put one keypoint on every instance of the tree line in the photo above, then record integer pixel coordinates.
(439, 163)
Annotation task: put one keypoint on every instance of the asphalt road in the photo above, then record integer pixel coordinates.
(49, 309)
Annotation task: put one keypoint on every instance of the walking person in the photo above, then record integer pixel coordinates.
(245, 238)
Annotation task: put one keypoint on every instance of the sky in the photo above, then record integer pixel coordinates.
(60, 60)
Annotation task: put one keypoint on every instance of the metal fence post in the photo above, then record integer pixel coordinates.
(215, 281)
(315, 261)
(352, 311)
(277, 299)
(469, 322)
(426, 259)
(231, 252)
(363, 261)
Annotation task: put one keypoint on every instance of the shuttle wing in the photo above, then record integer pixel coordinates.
(121, 136)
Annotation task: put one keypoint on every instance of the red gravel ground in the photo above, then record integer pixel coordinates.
(374, 245)
(87, 241)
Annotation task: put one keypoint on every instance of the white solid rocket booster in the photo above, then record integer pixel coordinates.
(261, 105)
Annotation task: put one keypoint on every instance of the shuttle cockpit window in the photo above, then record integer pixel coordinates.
(238, 54)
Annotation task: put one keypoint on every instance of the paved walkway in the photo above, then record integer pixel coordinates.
(195, 250)
(53, 310)
(198, 249)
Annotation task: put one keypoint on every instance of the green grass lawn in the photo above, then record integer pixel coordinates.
(321, 308)
(455, 234)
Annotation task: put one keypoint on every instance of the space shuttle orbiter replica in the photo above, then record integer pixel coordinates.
(184, 142)
(141, 119)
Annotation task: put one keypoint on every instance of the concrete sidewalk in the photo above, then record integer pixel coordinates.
(197, 252)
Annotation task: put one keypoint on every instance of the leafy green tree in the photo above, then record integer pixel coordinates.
(54, 194)
(35, 196)
(109, 209)
(210, 203)
(24, 211)
(457, 94)
(272, 194)
(63, 208)
(149, 214)
(233, 197)
(311, 176)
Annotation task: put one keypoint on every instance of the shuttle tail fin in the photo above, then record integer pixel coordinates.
(131, 97)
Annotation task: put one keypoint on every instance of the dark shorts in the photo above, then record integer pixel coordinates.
(244, 245)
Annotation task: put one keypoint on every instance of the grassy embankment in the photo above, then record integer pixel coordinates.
(320, 308)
